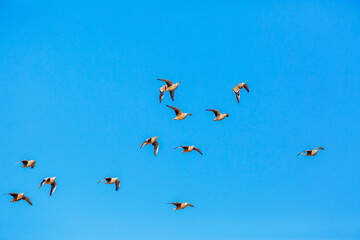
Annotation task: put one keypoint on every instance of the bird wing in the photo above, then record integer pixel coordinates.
(217, 112)
(161, 96)
(302, 152)
(117, 184)
(102, 180)
(177, 111)
(175, 203)
(196, 149)
(27, 199)
(246, 87)
(190, 205)
(181, 147)
(42, 183)
(156, 147)
(172, 94)
(12, 194)
(237, 94)
(53, 187)
(33, 164)
(168, 82)
(320, 148)
(145, 142)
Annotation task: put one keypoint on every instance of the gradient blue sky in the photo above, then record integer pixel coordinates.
(79, 95)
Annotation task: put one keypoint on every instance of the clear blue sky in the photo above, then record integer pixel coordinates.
(79, 95)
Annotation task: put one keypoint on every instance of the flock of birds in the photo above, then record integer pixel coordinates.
(168, 87)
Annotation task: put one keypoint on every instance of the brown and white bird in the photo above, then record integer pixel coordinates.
(110, 180)
(237, 89)
(153, 141)
(311, 152)
(187, 149)
(51, 181)
(27, 163)
(218, 116)
(169, 87)
(179, 115)
(180, 205)
(18, 197)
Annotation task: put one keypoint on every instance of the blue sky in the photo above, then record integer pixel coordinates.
(79, 95)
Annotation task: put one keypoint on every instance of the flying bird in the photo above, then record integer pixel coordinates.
(110, 180)
(187, 149)
(152, 141)
(218, 116)
(51, 181)
(181, 205)
(311, 152)
(179, 115)
(27, 163)
(169, 87)
(237, 89)
(18, 197)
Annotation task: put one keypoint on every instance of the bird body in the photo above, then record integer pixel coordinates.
(50, 181)
(110, 180)
(18, 197)
(187, 149)
(27, 163)
(237, 89)
(311, 152)
(218, 116)
(179, 114)
(180, 205)
(152, 141)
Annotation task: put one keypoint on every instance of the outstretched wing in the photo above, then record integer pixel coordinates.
(190, 205)
(23, 162)
(168, 82)
(217, 112)
(175, 203)
(172, 94)
(27, 199)
(102, 180)
(161, 96)
(156, 147)
(302, 152)
(12, 194)
(246, 87)
(198, 150)
(117, 184)
(42, 183)
(177, 111)
(320, 148)
(181, 147)
(53, 187)
(145, 142)
(237, 94)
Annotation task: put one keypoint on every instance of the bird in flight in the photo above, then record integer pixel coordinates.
(18, 197)
(311, 152)
(169, 87)
(179, 115)
(187, 149)
(110, 180)
(51, 181)
(27, 163)
(237, 89)
(180, 205)
(153, 141)
(218, 116)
